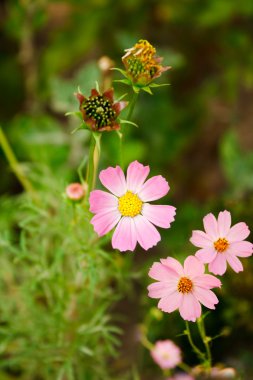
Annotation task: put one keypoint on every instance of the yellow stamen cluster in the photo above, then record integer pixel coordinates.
(129, 204)
(141, 62)
(184, 285)
(144, 51)
(221, 245)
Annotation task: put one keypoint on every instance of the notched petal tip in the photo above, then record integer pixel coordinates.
(80, 97)
(94, 92)
(109, 94)
(119, 106)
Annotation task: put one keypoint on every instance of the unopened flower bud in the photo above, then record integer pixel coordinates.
(75, 191)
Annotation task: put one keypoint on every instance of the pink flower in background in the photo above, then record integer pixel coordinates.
(75, 191)
(166, 354)
(221, 243)
(183, 288)
(127, 207)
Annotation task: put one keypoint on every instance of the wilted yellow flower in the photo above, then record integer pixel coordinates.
(141, 63)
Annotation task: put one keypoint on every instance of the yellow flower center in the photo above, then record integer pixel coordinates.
(129, 204)
(165, 355)
(184, 285)
(221, 245)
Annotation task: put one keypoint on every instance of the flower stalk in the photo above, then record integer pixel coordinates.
(197, 351)
(15, 166)
(93, 162)
(206, 340)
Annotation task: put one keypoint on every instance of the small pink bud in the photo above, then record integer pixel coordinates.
(75, 192)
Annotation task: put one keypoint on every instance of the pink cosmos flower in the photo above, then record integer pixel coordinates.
(75, 191)
(183, 288)
(221, 243)
(166, 354)
(127, 207)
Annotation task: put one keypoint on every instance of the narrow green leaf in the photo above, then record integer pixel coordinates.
(136, 89)
(125, 81)
(123, 72)
(159, 85)
(129, 122)
(75, 113)
(147, 89)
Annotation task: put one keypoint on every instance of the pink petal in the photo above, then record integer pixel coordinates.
(234, 262)
(136, 175)
(161, 272)
(161, 289)
(206, 255)
(224, 223)
(190, 308)
(104, 222)
(207, 281)
(147, 234)
(193, 266)
(170, 302)
(124, 237)
(206, 297)
(161, 216)
(218, 265)
(173, 265)
(200, 239)
(155, 188)
(114, 180)
(101, 200)
(241, 249)
(238, 232)
(211, 226)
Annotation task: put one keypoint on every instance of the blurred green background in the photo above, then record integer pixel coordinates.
(198, 133)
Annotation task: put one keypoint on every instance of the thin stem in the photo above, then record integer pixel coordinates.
(132, 105)
(121, 159)
(200, 354)
(167, 372)
(90, 168)
(80, 170)
(15, 166)
(122, 137)
(202, 331)
(94, 155)
(185, 367)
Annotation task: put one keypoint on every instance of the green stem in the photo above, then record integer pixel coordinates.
(202, 331)
(200, 354)
(15, 166)
(121, 159)
(94, 155)
(167, 373)
(132, 105)
(122, 136)
(185, 367)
